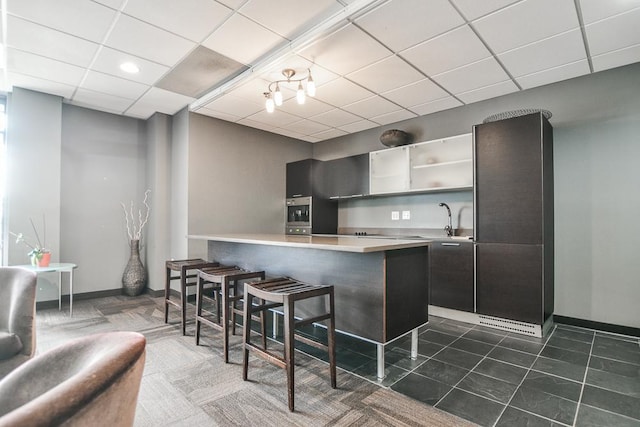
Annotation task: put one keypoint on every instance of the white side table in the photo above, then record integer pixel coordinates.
(60, 268)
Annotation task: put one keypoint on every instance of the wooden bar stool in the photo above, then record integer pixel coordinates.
(224, 280)
(285, 292)
(185, 267)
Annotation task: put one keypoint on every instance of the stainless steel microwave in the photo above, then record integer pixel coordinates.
(299, 215)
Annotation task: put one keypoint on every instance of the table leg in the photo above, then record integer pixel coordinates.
(414, 344)
(71, 293)
(380, 351)
(59, 290)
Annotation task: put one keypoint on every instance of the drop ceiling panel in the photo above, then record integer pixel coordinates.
(416, 93)
(160, 100)
(488, 92)
(109, 103)
(594, 10)
(335, 118)
(616, 58)
(83, 18)
(474, 9)
(328, 134)
(114, 4)
(258, 125)
(40, 85)
(104, 83)
(191, 19)
(396, 116)
(45, 68)
(235, 106)
(341, 92)
(146, 41)
(435, 106)
(242, 39)
(390, 73)
(448, 51)
(402, 24)
(473, 76)
(307, 127)
(108, 61)
(311, 107)
(556, 74)
(218, 115)
(370, 107)
(526, 22)
(276, 119)
(548, 53)
(288, 17)
(614, 33)
(336, 52)
(30, 37)
(358, 126)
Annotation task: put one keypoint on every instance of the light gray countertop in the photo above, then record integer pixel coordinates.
(325, 242)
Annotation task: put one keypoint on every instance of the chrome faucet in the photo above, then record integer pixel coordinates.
(448, 228)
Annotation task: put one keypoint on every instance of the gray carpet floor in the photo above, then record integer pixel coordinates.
(188, 385)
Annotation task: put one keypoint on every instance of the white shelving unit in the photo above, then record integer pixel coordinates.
(439, 165)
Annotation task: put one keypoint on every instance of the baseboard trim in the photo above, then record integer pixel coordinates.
(599, 326)
(41, 305)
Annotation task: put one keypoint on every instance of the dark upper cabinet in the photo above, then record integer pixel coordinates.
(348, 176)
(451, 275)
(513, 180)
(304, 178)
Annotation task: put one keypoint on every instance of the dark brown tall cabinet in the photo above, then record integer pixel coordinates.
(513, 202)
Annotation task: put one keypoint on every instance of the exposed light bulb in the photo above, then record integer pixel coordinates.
(278, 95)
(311, 86)
(300, 96)
(270, 105)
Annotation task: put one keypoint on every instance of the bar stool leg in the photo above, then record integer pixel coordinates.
(183, 298)
(225, 318)
(289, 351)
(331, 338)
(246, 334)
(167, 292)
(199, 297)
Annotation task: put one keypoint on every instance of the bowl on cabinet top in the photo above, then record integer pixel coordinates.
(395, 138)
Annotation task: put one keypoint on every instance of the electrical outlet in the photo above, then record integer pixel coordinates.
(395, 215)
(406, 214)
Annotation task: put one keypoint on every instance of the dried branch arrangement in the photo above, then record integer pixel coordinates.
(134, 228)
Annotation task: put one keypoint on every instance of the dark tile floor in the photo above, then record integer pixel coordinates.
(572, 377)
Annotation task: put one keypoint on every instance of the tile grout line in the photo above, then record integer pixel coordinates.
(584, 379)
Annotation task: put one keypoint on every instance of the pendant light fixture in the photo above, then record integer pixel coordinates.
(274, 95)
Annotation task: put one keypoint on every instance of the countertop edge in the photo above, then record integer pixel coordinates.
(337, 243)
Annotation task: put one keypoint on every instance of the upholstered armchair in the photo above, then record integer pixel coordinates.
(17, 317)
(89, 381)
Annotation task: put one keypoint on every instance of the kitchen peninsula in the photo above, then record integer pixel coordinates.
(381, 285)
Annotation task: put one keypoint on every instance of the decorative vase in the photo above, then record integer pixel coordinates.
(44, 260)
(134, 278)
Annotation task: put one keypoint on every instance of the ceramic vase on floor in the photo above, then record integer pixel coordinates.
(134, 278)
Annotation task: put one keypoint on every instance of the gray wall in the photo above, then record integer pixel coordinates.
(596, 121)
(236, 178)
(33, 178)
(103, 165)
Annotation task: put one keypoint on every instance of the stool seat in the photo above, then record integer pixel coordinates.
(224, 280)
(184, 266)
(284, 291)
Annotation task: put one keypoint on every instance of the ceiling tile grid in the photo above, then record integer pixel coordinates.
(374, 62)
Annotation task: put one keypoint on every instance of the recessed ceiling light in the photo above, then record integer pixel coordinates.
(129, 67)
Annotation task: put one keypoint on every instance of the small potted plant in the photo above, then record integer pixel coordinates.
(40, 256)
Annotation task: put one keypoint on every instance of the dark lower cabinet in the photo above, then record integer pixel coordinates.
(508, 281)
(451, 275)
